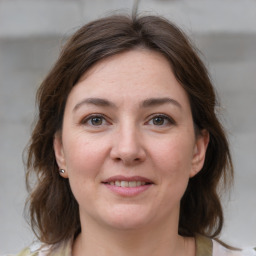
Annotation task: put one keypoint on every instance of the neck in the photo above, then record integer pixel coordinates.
(158, 240)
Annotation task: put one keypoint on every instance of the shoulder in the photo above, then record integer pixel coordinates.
(221, 250)
(206, 246)
(39, 249)
(35, 249)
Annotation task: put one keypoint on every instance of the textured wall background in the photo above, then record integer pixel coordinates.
(31, 33)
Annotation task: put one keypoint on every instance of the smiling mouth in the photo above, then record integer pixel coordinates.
(127, 184)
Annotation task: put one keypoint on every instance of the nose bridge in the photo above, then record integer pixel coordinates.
(127, 145)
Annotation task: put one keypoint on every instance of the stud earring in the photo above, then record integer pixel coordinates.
(62, 171)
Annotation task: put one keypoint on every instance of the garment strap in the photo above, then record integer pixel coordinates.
(203, 246)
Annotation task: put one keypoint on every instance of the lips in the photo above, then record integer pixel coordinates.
(123, 181)
(128, 186)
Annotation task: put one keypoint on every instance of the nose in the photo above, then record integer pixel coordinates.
(128, 147)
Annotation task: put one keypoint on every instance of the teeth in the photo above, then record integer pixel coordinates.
(138, 183)
(132, 184)
(124, 184)
(127, 184)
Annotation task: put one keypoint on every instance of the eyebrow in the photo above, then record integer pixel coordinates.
(94, 101)
(160, 101)
(145, 104)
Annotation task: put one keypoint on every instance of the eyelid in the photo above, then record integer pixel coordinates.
(84, 120)
(170, 120)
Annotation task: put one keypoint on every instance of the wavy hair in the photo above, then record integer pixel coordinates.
(53, 209)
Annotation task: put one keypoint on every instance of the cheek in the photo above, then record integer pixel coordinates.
(83, 167)
(175, 154)
(82, 163)
(82, 152)
(85, 159)
(173, 162)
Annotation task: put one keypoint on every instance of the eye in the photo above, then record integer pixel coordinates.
(161, 120)
(94, 120)
(158, 120)
(98, 120)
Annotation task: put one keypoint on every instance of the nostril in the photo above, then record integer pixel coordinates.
(128, 155)
(117, 159)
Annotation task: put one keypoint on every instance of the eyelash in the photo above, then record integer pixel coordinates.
(89, 118)
(165, 118)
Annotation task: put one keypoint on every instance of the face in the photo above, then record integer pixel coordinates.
(128, 143)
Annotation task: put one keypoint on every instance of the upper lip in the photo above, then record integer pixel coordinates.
(125, 178)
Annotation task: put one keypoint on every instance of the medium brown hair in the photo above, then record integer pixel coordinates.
(53, 208)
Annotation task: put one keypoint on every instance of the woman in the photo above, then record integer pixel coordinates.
(127, 148)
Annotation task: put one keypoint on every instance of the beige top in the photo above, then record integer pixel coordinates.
(204, 247)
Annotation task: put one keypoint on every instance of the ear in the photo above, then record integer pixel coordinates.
(59, 153)
(202, 141)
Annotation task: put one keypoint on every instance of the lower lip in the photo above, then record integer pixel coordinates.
(128, 191)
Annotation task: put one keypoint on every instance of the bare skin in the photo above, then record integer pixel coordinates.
(131, 243)
(129, 148)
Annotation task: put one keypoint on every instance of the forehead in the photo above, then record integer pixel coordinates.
(135, 74)
(129, 61)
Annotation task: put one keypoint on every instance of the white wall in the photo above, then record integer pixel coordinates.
(31, 33)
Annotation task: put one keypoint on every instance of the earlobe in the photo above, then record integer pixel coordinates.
(59, 154)
(200, 149)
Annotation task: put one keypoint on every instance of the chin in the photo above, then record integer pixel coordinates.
(127, 224)
(127, 219)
